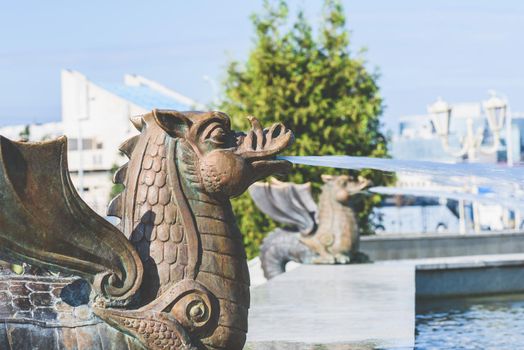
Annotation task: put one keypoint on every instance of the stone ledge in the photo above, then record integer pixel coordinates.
(368, 306)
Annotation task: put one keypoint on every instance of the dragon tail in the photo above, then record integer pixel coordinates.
(279, 248)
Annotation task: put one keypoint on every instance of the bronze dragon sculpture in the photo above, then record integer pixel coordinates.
(327, 234)
(172, 276)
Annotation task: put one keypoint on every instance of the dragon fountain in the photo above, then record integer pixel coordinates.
(173, 275)
(327, 234)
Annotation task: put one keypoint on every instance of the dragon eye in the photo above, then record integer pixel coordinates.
(215, 133)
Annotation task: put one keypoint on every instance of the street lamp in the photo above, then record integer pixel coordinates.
(497, 112)
(471, 144)
(495, 108)
(440, 113)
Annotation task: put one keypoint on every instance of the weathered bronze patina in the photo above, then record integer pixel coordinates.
(325, 235)
(173, 277)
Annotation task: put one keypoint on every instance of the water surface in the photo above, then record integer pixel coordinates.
(497, 183)
(478, 323)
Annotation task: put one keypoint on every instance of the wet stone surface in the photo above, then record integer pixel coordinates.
(76, 293)
(39, 299)
(304, 346)
(47, 312)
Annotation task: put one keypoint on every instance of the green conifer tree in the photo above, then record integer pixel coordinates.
(316, 87)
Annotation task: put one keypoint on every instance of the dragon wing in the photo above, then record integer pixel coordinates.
(44, 221)
(287, 203)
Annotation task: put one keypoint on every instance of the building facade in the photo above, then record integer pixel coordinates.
(96, 120)
(417, 139)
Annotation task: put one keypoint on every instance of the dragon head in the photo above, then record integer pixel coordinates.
(228, 161)
(343, 187)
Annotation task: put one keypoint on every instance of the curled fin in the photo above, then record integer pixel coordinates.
(128, 145)
(44, 221)
(115, 207)
(120, 175)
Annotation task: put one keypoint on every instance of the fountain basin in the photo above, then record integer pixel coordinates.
(422, 246)
(368, 306)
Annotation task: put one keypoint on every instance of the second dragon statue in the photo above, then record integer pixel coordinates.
(172, 276)
(327, 234)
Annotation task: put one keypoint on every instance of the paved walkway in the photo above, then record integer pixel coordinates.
(369, 306)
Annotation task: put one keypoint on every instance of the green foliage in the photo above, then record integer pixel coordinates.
(317, 88)
(18, 269)
(116, 188)
(25, 134)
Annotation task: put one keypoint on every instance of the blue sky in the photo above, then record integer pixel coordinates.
(423, 49)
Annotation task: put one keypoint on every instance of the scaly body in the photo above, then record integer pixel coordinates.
(182, 228)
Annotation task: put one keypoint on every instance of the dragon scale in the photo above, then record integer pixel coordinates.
(156, 229)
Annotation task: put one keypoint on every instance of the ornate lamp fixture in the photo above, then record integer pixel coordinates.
(471, 144)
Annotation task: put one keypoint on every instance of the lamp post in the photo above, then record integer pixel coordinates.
(495, 110)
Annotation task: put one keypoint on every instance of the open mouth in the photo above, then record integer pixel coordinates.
(268, 166)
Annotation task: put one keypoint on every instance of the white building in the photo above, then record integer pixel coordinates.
(95, 118)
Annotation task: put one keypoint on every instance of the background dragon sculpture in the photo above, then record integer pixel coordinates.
(172, 276)
(327, 234)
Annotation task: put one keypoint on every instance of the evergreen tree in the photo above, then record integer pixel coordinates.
(25, 134)
(117, 188)
(317, 88)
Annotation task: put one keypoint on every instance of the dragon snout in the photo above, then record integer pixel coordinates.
(354, 187)
(262, 143)
(231, 171)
